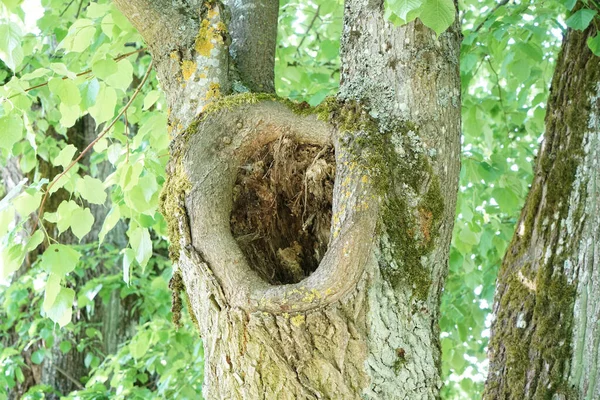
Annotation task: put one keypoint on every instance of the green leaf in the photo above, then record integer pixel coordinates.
(34, 241)
(62, 69)
(104, 108)
(80, 36)
(27, 203)
(402, 7)
(66, 90)
(151, 98)
(65, 346)
(91, 189)
(139, 346)
(569, 4)
(63, 215)
(110, 221)
(128, 257)
(61, 310)
(65, 156)
(594, 44)
(104, 68)
(10, 45)
(123, 77)
(69, 114)
(38, 356)
(81, 222)
(11, 131)
(51, 291)
(59, 259)
(581, 19)
(140, 242)
(438, 14)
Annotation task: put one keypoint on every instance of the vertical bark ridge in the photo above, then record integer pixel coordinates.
(408, 80)
(544, 339)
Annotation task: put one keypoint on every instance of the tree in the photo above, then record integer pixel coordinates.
(363, 321)
(269, 180)
(544, 339)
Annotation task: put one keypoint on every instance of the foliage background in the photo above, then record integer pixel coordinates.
(507, 61)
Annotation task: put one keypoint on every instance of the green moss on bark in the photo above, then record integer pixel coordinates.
(412, 204)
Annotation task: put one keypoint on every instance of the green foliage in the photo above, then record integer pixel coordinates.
(435, 14)
(70, 65)
(157, 362)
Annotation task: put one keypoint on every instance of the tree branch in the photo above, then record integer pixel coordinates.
(500, 4)
(162, 25)
(253, 30)
(117, 59)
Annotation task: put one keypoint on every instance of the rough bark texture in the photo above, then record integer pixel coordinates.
(253, 28)
(364, 324)
(545, 339)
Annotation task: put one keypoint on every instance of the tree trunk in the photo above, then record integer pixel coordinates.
(312, 244)
(545, 339)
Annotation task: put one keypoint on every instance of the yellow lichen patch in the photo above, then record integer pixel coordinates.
(213, 12)
(187, 69)
(298, 320)
(213, 91)
(174, 55)
(203, 41)
(309, 297)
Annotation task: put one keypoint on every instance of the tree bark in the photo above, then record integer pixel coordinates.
(545, 339)
(364, 323)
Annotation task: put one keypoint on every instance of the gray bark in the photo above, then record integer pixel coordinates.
(364, 324)
(545, 340)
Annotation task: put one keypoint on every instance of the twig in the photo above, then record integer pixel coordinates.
(89, 146)
(310, 25)
(66, 8)
(500, 96)
(69, 377)
(79, 9)
(118, 58)
(500, 4)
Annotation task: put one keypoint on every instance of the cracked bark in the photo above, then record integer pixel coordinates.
(364, 324)
(545, 342)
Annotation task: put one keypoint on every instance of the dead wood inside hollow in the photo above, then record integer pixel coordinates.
(281, 214)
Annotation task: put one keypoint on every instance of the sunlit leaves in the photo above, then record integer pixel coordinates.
(60, 259)
(11, 51)
(141, 244)
(91, 189)
(66, 90)
(65, 156)
(80, 35)
(11, 131)
(437, 14)
(61, 310)
(104, 108)
(398, 10)
(113, 216)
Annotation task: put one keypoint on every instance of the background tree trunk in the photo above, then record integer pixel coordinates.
(364, 323)
(545, 339)
(115, 319)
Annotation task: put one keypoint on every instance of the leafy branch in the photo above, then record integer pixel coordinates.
(117, 59)
(90, 146)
